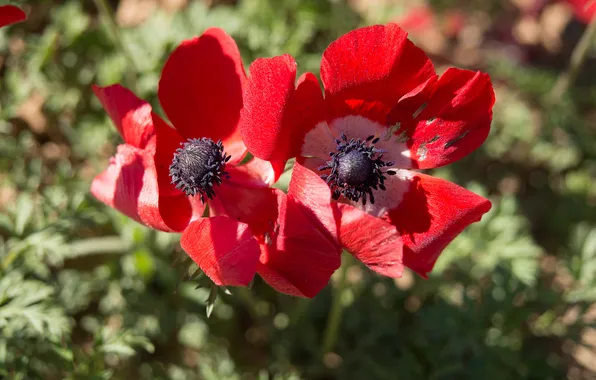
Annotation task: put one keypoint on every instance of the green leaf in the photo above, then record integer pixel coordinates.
(23, 213)
(210, 302)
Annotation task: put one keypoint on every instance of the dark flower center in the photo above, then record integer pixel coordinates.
(356, 169)
(198, 166)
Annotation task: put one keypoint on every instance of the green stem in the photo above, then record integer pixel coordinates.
(108, 15)
(337, 308)
(578, 56)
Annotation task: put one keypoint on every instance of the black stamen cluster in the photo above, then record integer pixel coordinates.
(356, 169)
(198, 166)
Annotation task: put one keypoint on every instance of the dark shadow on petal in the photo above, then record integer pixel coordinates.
(128, 188)
(175, 211)
(256, 207)
(412, 216)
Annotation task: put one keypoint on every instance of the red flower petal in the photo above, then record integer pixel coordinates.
(201, 87)
(309, 190)
(300, 258)
(254, 206)
(453, 118)
(10, 14)
(255, 173)
(223, 248)
(276, 115)
(376, 63)
(431, 214)
(307, 109)
(110, 187)
(270, 86)
(167, 141)
(371, 240)
(235, 148)
(129, 184)
(131, 115)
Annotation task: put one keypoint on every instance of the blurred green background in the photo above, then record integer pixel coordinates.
(86, 293)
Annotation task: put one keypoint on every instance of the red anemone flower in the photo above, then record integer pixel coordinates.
(11, 14)
(166, 177)
(384, 111)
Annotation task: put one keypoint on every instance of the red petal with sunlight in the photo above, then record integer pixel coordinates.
(201, 87)
(131, 115)
(129, 184)
(10, 14)
(120, 184)
(300, 258)
(270, 86)
(452, 120)
(375, 63)
(223, 248)
(371, 240)
(431, 214)
(276, 115)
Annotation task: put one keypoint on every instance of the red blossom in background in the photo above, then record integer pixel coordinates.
(422, 18)
(384, 112)
(160, 175)
(11, 14)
